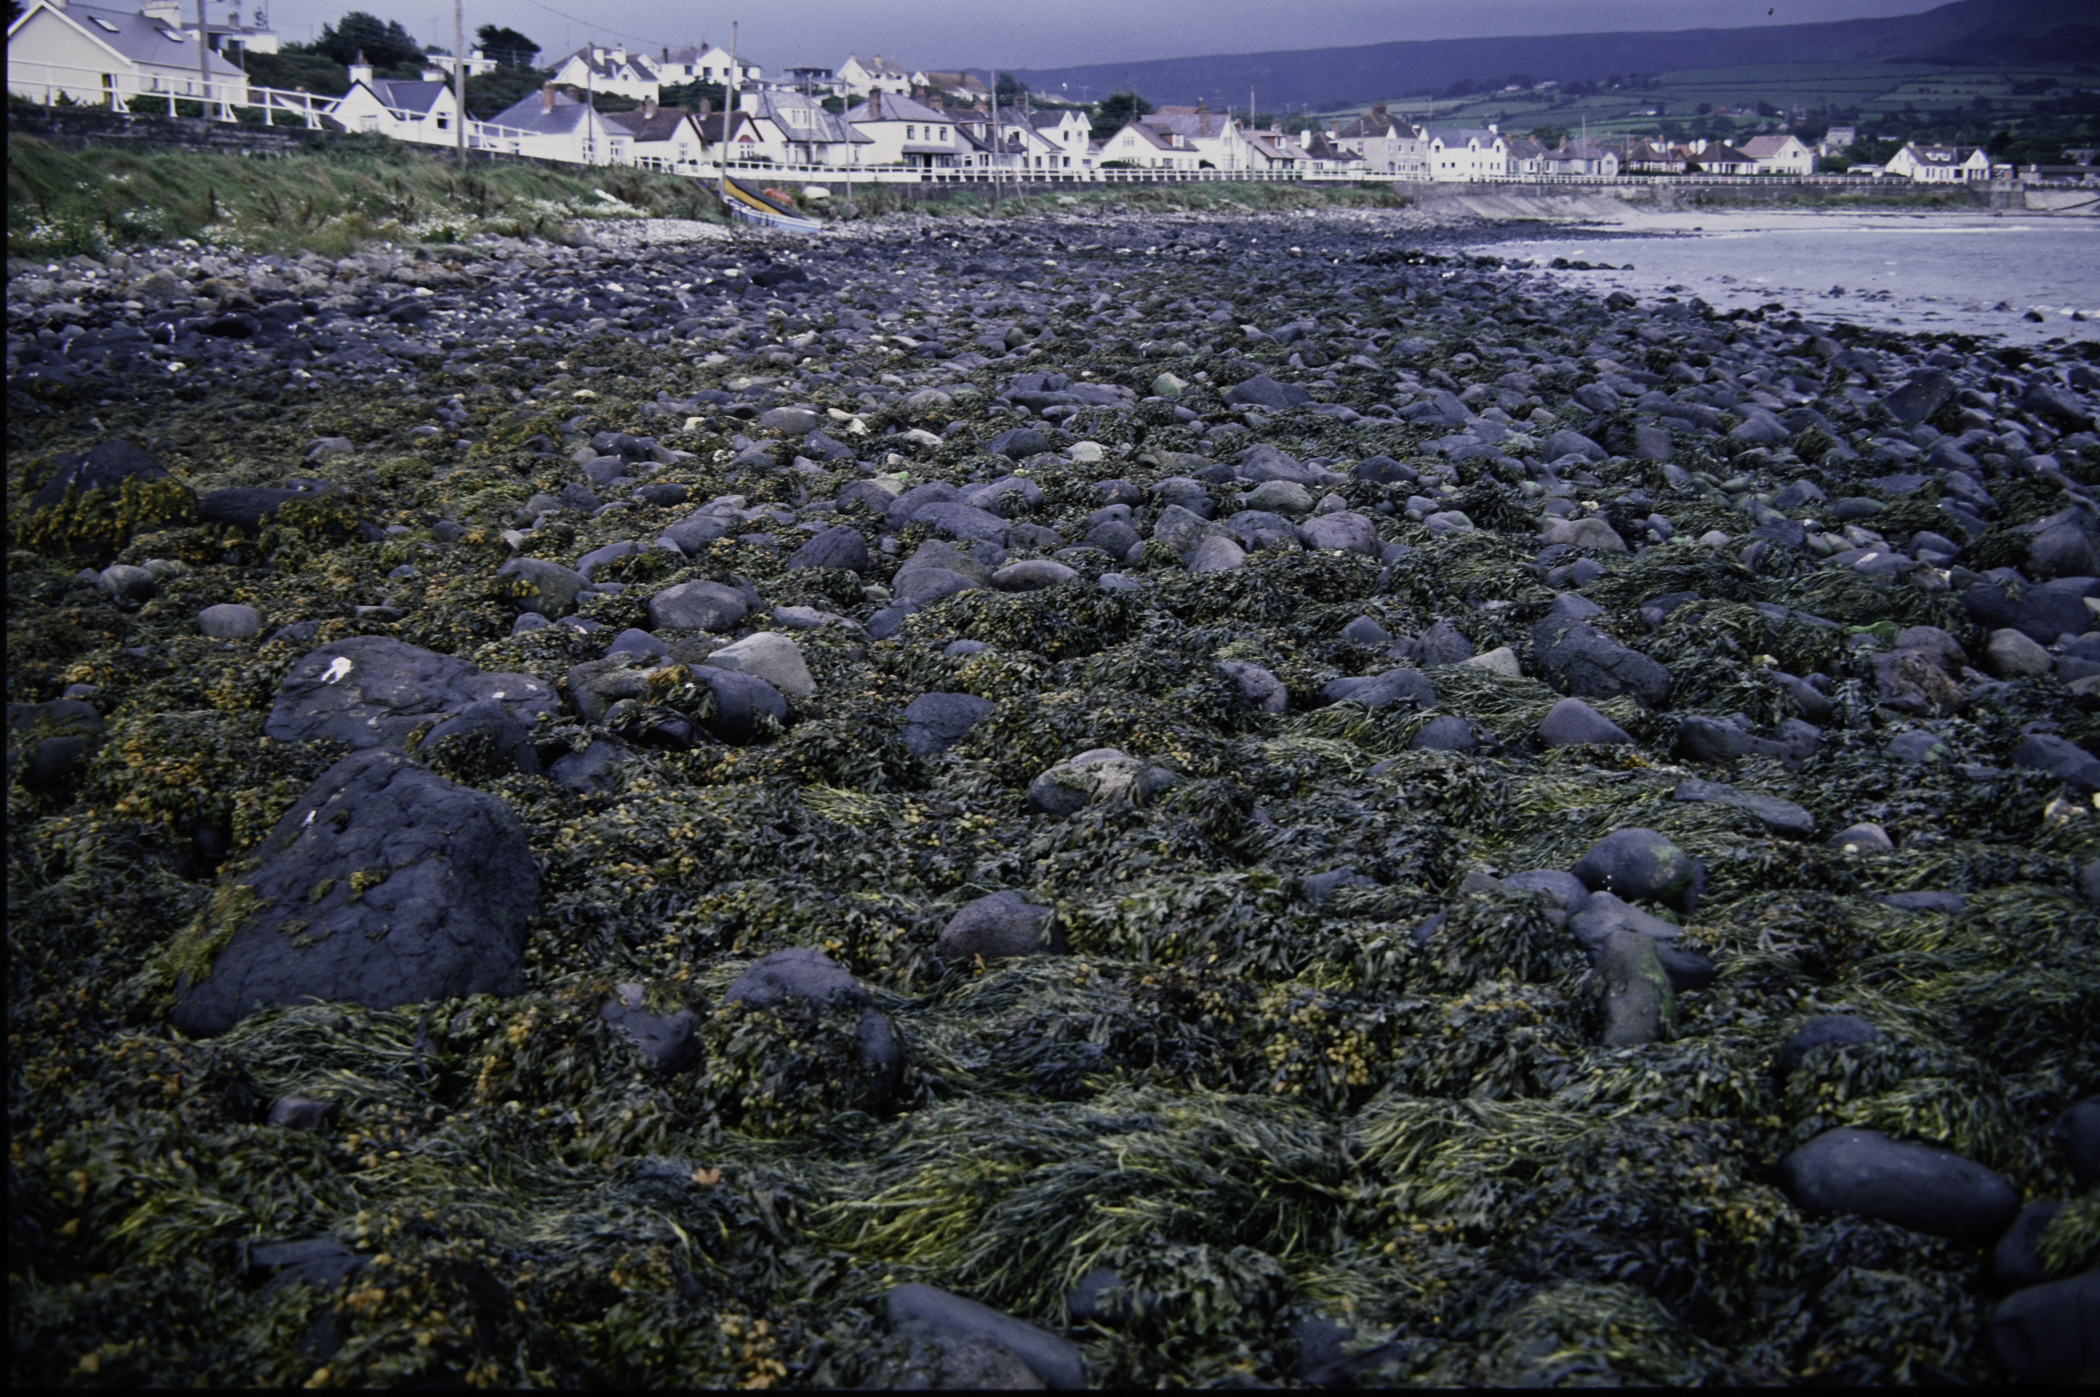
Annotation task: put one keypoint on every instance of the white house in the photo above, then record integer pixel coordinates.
(1580, 156)
(861, 77)
(613, 70)
(1721, 158)
(1390, 145)
(1939, 164)
(1780, 155)
(792, 128)
(425, 110)
(966, 87)
(1461, 154)
(901, 131)
(1149, 148)
(1068, 133)
(664, 138)
(551, 125)
(477, 63)
(103, 57)
(709, 63)
(1215, 137)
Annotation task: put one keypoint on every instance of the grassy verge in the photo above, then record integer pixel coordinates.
(328, 199)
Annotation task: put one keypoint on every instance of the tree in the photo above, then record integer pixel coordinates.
(501, 88)
(384, 43)
(1011, 89)
(507, 46)
(1549, 135)
(1116, 111)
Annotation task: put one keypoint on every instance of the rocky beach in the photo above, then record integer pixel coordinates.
(1099, 799)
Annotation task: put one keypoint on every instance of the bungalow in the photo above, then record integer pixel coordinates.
(1721, 158)
(552, 125)
(663, 138)
(1644, 157)
(792, 128)
(102, 57)
(901, 131)
(1939, 164)
(424, 110)
(1390, 145)
(877, 74)
(1780, 155)
(1273, 150)
(1463, 154)
(613, 70)
(709, 63)
(1527, 157)
(1581, 156)
(1323, 156)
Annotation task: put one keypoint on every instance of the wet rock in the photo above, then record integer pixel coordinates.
(2061, 758)
(1565, 889)
(1591, 533)
(1351, 533)
(1058, 1363)
(592, 770)
(1865, 837)
(935, 722)
(1710, 740)
(1640, 866)
(806, 975)
(48, 742)
(1449, 733)
(1377, 690)
(1000, 925)
(383, 885)
(697, 606)
(1257, 685)
(536, 585)
(840, 546)
(483, 736)
(1603, 914)
(324, 1262)
(1573, 723)
(375, 691)
(1216, 554)
(230, 621)
(1823, 1031)
(129, 587)
(106, 466)
(2041, 613)
(1032, 575)
(1865, 1173)
(1779, 816)
(1587, 664)
(2016, 1262)
(1638, 1003)
(300, 1113)
(2050, 1333)
(2081, 1134)
(1924, 394)
(1444, 644)
(1104, 1297)
(667, 1042)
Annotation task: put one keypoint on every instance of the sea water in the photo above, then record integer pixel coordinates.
(1914, 274)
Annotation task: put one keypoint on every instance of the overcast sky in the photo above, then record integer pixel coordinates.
(1049, 33)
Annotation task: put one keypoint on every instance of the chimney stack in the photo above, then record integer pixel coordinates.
(547, 97)
(707, 107)
(648, 107)
(875, 102)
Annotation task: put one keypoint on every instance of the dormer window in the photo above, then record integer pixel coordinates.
(102, 24)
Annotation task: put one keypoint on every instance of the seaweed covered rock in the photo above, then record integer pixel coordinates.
(1054, 1362)
(935, 722)
(375, 691)
(1638, 1004)
(1103, 775)
(798, 1037)
(1588, 664)
(1849, 1170)
(382, 885)
(104, 466)
(540, 587)
(1572, 723)
(771, 657)
(46, 742)
(1823, 1031)
(667, 1042)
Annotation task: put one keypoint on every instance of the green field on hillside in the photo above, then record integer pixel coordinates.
(1895, 99)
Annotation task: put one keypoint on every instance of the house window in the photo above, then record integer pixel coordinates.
(911, 133)
(444, 122)
(944, 134)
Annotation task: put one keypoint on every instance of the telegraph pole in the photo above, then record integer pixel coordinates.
(459, 75)
(729, 99)
(203, 64)
(998, 142)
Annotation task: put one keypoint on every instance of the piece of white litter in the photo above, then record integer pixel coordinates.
(309, 818)
(337, 669)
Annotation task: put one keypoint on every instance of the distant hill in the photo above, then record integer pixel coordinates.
(1967, 31)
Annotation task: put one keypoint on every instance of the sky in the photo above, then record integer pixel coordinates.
(1047, 33)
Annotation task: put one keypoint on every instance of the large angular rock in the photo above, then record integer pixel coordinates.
(1638, 1003)
(1779, 816)
(2042, 613)
(536, 585)
(1865, 1173)
(374, 691)
(2051, 1333)
(1099, 776)
(383, 885)
(770, 656)
(840, 546)
(1571, 722)
(697, 606)
(106, 466)
(1351, 533)
(1377, 690)
(1588, 664)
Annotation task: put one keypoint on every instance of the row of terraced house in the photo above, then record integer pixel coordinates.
(860, 114)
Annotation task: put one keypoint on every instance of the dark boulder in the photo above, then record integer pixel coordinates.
(697, 606)
(1057, 1363)
(1914, 1186)
(1640, 866)
(1263, 391)
(383, 885)
(1823, 1031)
(667, 1042)
(1638, 1001)
(1573, 722)
(935, 722)
(1923, 395)
(2016, 1262)
(47, 742)
(2051, 1333)
(375, 691)
(106, 466)
(1588, 664)
(803, 975)
(1000, 925)
(840, 546)
(2059, 757)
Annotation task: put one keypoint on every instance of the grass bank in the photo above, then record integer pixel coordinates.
(329, 199)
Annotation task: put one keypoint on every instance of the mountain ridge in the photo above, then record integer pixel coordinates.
(1965, 31)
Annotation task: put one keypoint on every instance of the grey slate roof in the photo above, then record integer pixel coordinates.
(143, 40)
